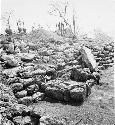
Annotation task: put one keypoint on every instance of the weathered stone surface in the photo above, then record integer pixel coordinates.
(27, 82)
(98, 59)
(32, 89)
(101, 67)
(17, 87)
(6, 94)
(108, 47)
(4, 104)
(108, 65)
(21, 94)
(29, 74)
(5, 97)
(66, 95)
(26, 57)
(78, 94)
(60, 66)
(51, 72)
(25, 75)
(28, 68)
(55, 93)
(10, 61)
(78, 75)
(13, 80)
(19, 110)
(47, 120)
(6, 122)
(38, 72)
(19, 120)
(11, 73)
(61, 90)
(88, 58)
(108, 61)
(17, 50)
(38, 96)
(101, 55)
(95, 53)
(26, 100)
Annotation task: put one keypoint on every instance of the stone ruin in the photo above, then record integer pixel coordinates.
(30, 82)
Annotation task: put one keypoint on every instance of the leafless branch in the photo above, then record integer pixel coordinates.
(60, 14)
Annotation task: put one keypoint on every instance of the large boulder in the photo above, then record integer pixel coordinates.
(66, 90)
(10, 61)
(21, 94)
(88, 58)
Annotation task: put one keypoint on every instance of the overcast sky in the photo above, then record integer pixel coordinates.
(90, 14)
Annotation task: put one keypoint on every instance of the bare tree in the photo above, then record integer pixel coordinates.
(73, 22)
(60, 9)
(6, 17)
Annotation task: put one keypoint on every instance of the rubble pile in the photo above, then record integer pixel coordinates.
(32, 81)
(60, 73)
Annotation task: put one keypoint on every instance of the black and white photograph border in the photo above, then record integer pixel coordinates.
(57, 62)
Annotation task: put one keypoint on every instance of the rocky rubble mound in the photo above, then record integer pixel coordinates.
(31, 81)
(51, 71)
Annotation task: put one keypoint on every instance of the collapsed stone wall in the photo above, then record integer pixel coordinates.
(32, 82)
(31, 85)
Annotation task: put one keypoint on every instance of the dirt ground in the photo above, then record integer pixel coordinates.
(98, 109)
